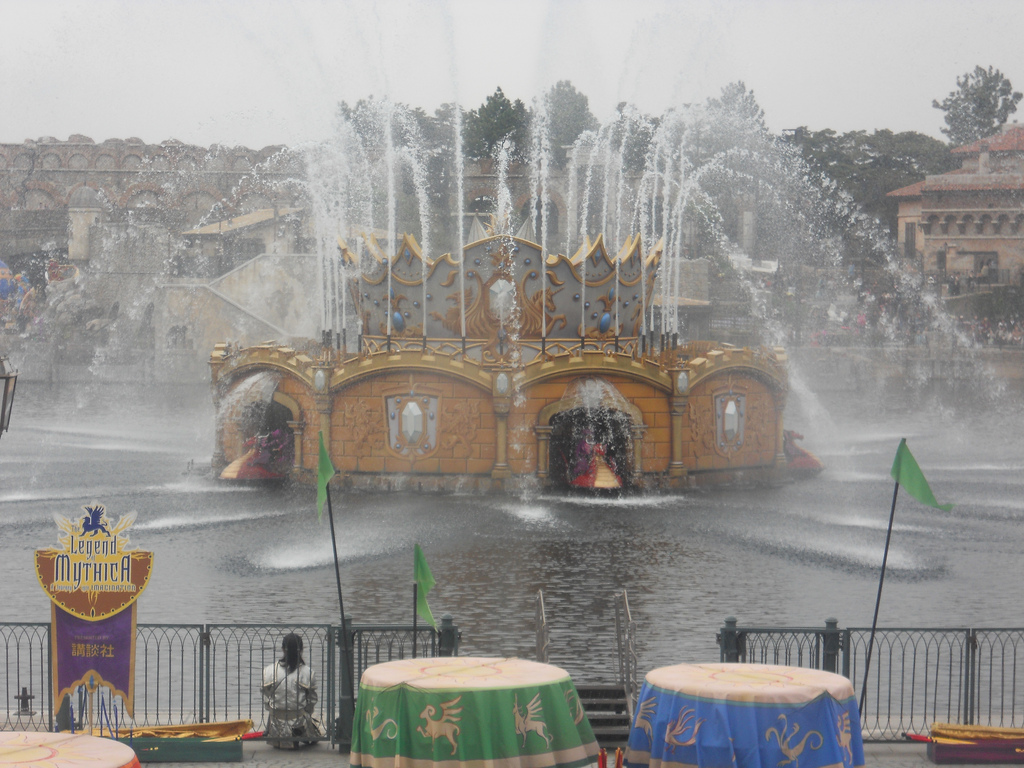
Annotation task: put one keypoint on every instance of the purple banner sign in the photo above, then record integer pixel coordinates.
(93, 653)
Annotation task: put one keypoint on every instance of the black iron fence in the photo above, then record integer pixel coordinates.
(199, 673)
(916, 676)
(196, 673)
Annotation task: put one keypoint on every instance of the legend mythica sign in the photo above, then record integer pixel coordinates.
(93, 580)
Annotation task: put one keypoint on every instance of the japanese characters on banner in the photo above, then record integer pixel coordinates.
(93, 579)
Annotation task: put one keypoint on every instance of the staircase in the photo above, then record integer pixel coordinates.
(606, 705)
(606, 710)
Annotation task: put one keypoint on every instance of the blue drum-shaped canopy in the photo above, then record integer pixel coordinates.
(745, 715)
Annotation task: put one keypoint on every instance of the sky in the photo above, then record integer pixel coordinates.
(264, 72)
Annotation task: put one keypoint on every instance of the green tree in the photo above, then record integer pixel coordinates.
(736, 100)
(637, 130)
(494, 121)
(569, 115)
(866, 167)
(982, 102)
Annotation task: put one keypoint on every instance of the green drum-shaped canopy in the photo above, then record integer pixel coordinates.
(470, 712)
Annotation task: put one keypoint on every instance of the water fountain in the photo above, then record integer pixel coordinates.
(793, 554)
(464, 369)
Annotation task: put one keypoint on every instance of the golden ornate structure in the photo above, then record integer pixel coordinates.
(550, 366)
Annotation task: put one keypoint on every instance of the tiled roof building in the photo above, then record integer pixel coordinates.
(970, 222)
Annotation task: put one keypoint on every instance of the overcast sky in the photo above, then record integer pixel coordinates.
(259, 72)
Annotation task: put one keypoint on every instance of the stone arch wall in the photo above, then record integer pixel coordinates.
(196, 204)
(141, 191)
(37, 191)
(38, 198)
(556, 234)
(143, 198)
(477, 192)
(553, 196)
(253, 201)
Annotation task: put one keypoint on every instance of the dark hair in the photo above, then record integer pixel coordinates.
(291, 645)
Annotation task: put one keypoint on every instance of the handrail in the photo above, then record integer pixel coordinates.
(625, 638)
(541, 622)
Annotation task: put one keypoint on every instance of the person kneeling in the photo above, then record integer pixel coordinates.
(290, 697)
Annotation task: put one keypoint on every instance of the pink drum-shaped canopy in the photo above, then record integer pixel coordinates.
(63, 750)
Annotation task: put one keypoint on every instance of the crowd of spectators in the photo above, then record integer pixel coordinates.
(19, 303)
(958, 283)
(883, 314)
(1008, 332)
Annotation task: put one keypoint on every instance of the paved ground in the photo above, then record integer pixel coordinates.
(259, 755)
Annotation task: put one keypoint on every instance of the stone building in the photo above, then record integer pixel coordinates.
(129, 217)
(171, 182)
(969, 222)
(176, 247)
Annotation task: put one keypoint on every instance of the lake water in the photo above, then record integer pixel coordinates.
(792, 555)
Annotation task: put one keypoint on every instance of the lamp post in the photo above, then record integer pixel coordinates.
(8, 378)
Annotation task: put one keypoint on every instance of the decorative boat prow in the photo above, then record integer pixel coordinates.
(799, 461)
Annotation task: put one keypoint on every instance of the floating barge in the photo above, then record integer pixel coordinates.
(491, 376)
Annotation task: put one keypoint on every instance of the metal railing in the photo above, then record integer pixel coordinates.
(917, 676)
(625, 638)
(26, 650)
(387, 642)
(541, 622)
(235, 657)
(481, 349)
(198, 673)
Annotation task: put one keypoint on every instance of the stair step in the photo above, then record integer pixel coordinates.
(607, 712)
(611, 739)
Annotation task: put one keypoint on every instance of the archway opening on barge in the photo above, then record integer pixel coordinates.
(591, 449)
(591, 438)
(261, 431)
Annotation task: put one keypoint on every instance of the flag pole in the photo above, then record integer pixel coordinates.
(415, 600)
(878, 600)
(905, 471)
(341, 600)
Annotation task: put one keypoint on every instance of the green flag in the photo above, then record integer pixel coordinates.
(323, 476)
(906, 472)
(424, 583)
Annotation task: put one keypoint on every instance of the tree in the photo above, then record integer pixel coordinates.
(637, 130)
(494, 121)
(983, 101)
(868, 166)
(569, 115)
(741, 103)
